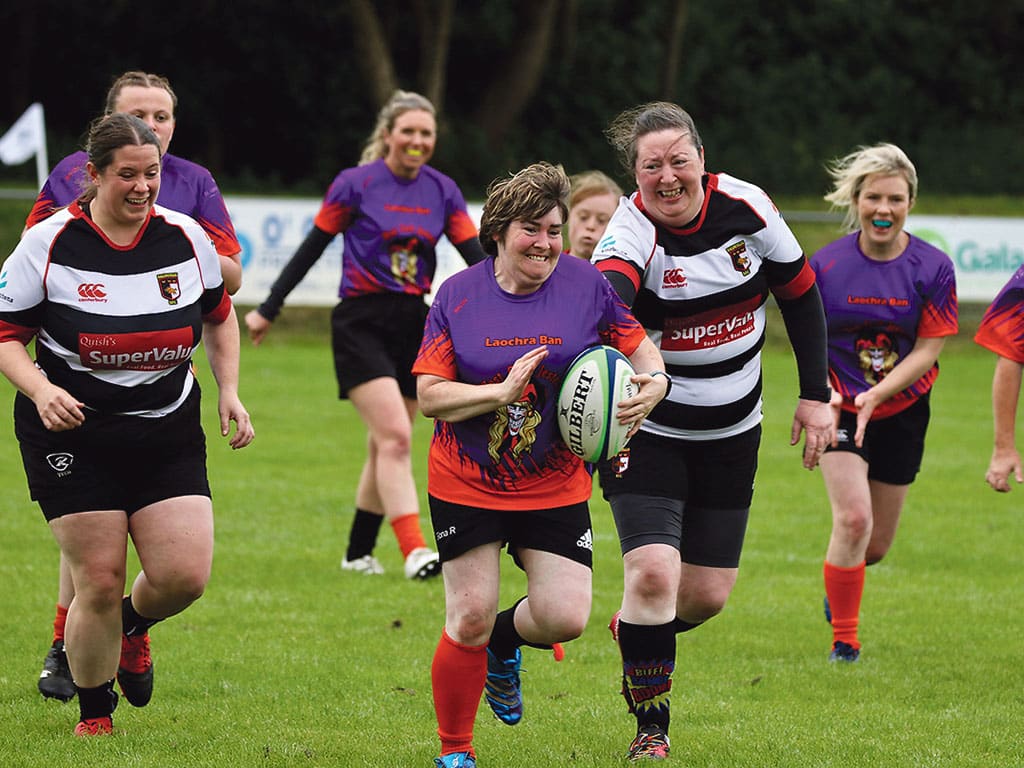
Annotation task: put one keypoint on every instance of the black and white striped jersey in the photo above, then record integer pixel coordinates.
(116, 326)
(700, 294)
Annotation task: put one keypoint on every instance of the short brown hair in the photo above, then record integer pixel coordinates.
(523, 196)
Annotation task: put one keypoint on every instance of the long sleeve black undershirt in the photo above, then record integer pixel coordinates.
(805, 325)
(305, 256)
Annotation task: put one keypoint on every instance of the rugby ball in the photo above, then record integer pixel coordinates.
(595, 382)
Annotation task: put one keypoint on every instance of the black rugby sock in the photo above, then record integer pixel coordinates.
(363, 536)
(133, 622)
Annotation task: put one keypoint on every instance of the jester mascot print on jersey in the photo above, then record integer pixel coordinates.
(877, 310)
(391, 227)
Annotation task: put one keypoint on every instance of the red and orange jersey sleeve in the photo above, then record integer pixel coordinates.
(1002, 327)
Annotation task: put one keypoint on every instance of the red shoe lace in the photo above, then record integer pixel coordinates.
(135, 655)
(94, 726)
(649, 745)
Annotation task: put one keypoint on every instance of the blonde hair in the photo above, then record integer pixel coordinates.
(523, 196)
(848, 174)
(590, 184)
(399, 103)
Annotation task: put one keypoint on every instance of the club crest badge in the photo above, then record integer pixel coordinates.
(740, 261)
(170, 289)
(620, 462)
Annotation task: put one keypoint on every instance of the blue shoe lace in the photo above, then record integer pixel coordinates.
(455, 760)
(502, 689)
(843, 652)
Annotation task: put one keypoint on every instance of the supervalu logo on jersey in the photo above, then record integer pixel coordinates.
(147, 351)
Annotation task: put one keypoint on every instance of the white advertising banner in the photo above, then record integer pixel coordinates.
(986, 251)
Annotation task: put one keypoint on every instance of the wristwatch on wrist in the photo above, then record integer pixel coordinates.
(668, 378)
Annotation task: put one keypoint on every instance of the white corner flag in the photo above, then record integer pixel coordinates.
(27, 137)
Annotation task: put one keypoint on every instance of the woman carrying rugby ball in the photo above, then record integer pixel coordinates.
(498, 339)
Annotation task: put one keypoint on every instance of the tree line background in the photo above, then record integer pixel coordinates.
(276, 97)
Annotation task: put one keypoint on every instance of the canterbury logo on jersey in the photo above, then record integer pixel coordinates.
(147, 351)
(706, 335)
(673, 278)
(92, 292)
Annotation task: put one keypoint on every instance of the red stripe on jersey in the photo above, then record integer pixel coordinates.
(796, 287)
(11, 332)
(454, 477)
(622, 267)
(1002, 331)
(221, 312)
(43, 208)
(224, 239)
(895, 404)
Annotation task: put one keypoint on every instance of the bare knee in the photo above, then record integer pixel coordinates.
(99, 590)
(652, 584)
(853, 524)
(470, 627)
(563, 625)
(393, 445)
(184, 587)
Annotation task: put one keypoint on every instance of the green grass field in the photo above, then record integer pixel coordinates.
(287, 661)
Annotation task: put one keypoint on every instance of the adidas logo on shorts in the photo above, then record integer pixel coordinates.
(586, 541)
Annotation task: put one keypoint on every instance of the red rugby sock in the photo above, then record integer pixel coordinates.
(844, 587)
(407, 531)
(458, 674)
(59, 620)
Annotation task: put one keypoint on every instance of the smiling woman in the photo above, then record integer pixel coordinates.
(890, 302)
(113, 393)
(499, 472)
(124, 190)
(391, 211)
(696, 255)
